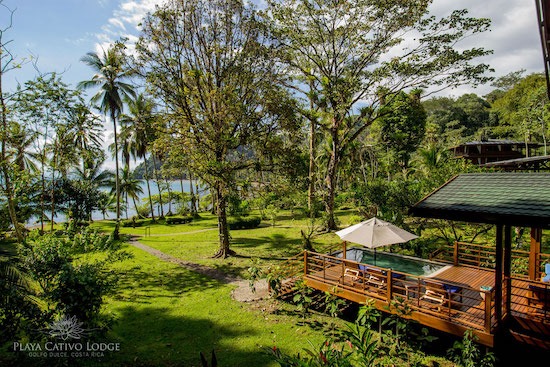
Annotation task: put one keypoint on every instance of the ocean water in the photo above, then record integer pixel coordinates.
(174, 186)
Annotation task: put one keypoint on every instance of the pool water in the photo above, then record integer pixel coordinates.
(400, 263)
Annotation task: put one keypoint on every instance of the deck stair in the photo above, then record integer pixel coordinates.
(288, 273)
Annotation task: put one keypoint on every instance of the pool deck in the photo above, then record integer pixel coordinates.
(471, 309)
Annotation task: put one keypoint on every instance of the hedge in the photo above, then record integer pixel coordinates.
(179, 220)
(243, 223)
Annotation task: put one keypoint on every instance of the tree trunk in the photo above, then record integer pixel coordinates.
(155, 173)
(198, 200)
(5, 170)
(213, 199)
(117, 182)
(169, 195)
(192, 192)
(311, 188)
(331, 181)
(223, 232)
(52, 197)
(149, 188)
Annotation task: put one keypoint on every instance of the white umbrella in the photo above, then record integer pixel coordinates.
(375, 233)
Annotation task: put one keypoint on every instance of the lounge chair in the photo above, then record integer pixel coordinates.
(546, 277)
(441, 294)
(539, 298)
(351, 272)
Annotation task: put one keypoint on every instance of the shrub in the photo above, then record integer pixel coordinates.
(135, 222)
(243, 223)
(354, 219)
(91, 240)
(79, 291)
(178, 220)
(44, 256)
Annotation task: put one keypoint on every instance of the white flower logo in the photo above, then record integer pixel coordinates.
(67, 328)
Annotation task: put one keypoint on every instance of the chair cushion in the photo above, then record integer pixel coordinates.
(546, 279)
(452, 288)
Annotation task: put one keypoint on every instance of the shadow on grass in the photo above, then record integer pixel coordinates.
(140, 286)
(156, 337)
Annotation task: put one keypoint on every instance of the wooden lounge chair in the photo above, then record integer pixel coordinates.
(351, 273)
(440, 294)
(539, 299)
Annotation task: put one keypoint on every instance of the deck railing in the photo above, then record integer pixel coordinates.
(483, 257)
(473, 308)
(530, 299)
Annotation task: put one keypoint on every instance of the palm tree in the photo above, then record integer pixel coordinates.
(110, 72)
(107, 203)
(92, 172)
(20, 142)
(139, 132)
(86, 129)
(130, 187)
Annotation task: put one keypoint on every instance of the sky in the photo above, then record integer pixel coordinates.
(60, 32)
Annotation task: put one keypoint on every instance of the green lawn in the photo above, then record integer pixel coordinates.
(166, 315)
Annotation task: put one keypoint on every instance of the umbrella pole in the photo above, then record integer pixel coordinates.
(344, 250)
(374, 256)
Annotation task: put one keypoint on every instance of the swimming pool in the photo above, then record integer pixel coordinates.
(405, 264)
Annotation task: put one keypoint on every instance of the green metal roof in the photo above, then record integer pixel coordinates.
(520, 199)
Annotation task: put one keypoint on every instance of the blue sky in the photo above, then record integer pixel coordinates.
(60, 32)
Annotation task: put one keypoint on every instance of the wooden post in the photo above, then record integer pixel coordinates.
(390, 285)
(488, 300)
(305, 263)
(455, 255)
(507, 267)
(498, 274)
(344, 250)
(534, 254)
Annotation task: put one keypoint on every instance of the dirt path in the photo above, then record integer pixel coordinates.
(242, 293)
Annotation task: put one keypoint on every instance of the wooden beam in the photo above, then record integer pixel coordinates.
(507, 268)
(534, 254)
(498, 274)
(344, 250)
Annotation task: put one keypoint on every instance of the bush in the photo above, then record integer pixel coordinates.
(354, 219)
(44, 256)
(243, 223)
(79, 291)
(179, 220)
(91, 240)
(135, 222)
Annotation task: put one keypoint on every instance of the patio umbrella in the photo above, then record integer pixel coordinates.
(375, 233)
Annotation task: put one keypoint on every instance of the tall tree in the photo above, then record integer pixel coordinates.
(110, 72)
(138, 124)
(7, 64)
(403, 129)
(209, 62)
(354, 54)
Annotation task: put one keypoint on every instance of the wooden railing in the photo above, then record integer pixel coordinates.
(530, 299)
(289, 268)
(473, 308)
(483, 257)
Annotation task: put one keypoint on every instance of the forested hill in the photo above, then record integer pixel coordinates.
(516, 109)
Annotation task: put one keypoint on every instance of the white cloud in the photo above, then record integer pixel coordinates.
(125, 22)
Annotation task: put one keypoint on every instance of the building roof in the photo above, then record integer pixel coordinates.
(498, 142)
(519, 199)
(517, 162)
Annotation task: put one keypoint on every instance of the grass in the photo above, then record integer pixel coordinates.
(166, 315)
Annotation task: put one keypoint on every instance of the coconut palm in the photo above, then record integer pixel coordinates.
(138, 131)
(86, 129)
(130, 187)
(110, 72)
(93, 173)
(20, 142)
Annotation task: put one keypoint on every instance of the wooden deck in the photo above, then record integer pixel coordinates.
(472, 308)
